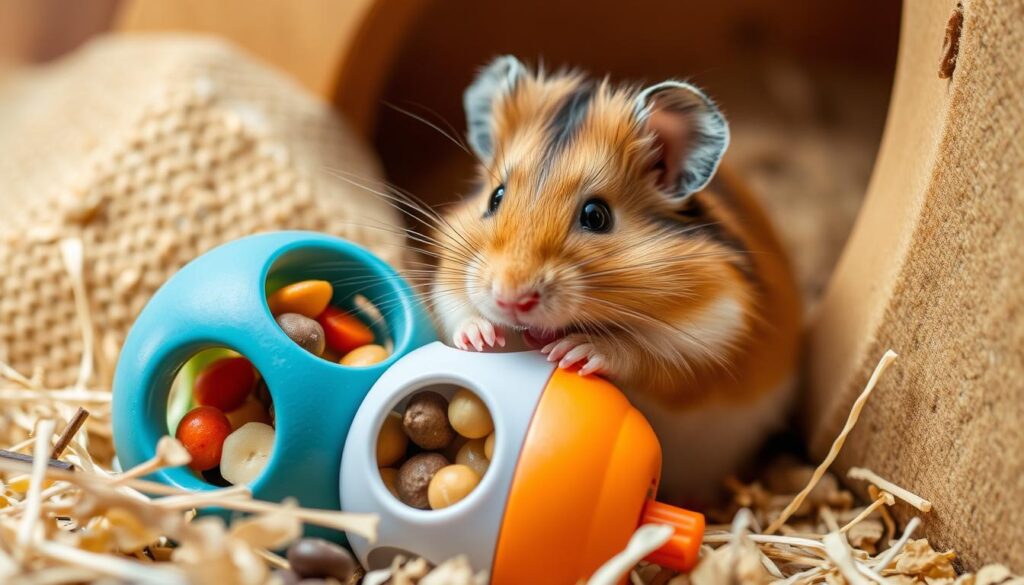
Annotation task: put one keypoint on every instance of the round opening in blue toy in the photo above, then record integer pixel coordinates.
(220, 408)
(343, 310)
(435, 446)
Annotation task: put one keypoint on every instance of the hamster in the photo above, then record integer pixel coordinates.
(603, 233)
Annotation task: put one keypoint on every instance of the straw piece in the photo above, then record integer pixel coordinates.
(867, 511)
(169, 453)
(837, 445)
(203, 499)
(44, 430)
(895, 549)
(887, 519)
(886, 485)
(770, 566)
(766, 538)
(6, 371)
(72, 255)
(364, 525)
(50, 492)
(111, 565)
(839, 552)
(276, 561)
(76, 422)
(647, 539)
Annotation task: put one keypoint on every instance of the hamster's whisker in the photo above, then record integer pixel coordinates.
(458, 258)
(403, 202)
(426, 292)
(438, 218)
(658, 263)
(452, 135)
(412, 201)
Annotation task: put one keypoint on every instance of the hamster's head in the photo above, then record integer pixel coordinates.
(579, 221)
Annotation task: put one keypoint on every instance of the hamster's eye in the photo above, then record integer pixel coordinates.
(596, 216)
(495, 201)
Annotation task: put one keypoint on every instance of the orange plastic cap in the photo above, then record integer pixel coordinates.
(589, 463)
(682, 549)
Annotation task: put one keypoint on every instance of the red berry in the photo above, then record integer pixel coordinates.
(202, 431)
(225, 383)
(343, 331)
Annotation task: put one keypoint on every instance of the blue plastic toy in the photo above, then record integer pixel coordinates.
(219, 300)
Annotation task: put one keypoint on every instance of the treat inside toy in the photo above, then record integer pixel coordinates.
(308, 313)
(220, 408)
(434, 448)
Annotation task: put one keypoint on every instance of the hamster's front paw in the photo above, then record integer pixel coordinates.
(574, 349)
(477, 333)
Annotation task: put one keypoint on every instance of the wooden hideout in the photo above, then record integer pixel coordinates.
(932, 268)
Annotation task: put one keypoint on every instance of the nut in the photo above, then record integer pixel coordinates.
(414, 478)
(304, 331)
(426, 421)
(315, 557)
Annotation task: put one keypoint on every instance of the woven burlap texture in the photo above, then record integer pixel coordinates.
(152, 151)
(947, 421)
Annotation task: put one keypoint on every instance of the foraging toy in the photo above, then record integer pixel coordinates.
(220, 300)
(571, 470)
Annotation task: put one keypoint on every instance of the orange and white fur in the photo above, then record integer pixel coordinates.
(603, 231)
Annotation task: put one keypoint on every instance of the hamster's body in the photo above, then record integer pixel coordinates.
(603, 234)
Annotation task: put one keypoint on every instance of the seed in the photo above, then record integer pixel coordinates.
(426, 420)
(308, 298)
(315, 557)
(304, 331)
(472, 455)
(414, 478)
(392, 441)
(365, 355)
(246, 452)
(469, 415)
(450, 485)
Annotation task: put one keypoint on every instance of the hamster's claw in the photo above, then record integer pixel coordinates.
(477, 333)
(570, 351)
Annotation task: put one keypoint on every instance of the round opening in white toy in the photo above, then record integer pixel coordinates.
(434, 448)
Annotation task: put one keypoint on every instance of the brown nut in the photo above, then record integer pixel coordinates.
(426, 420)
(414, 478)
(304, 331)
(315, 557)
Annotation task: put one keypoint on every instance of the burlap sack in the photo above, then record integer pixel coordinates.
(152, 151)
(935, 271)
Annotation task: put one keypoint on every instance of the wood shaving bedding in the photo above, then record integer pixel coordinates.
(94, 524)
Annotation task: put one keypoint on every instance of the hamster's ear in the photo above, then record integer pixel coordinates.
(690, 131)
(496, 79)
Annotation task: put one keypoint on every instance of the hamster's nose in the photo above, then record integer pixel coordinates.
(521, 302)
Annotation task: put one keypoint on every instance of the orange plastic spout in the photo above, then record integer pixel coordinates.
(682, 549)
